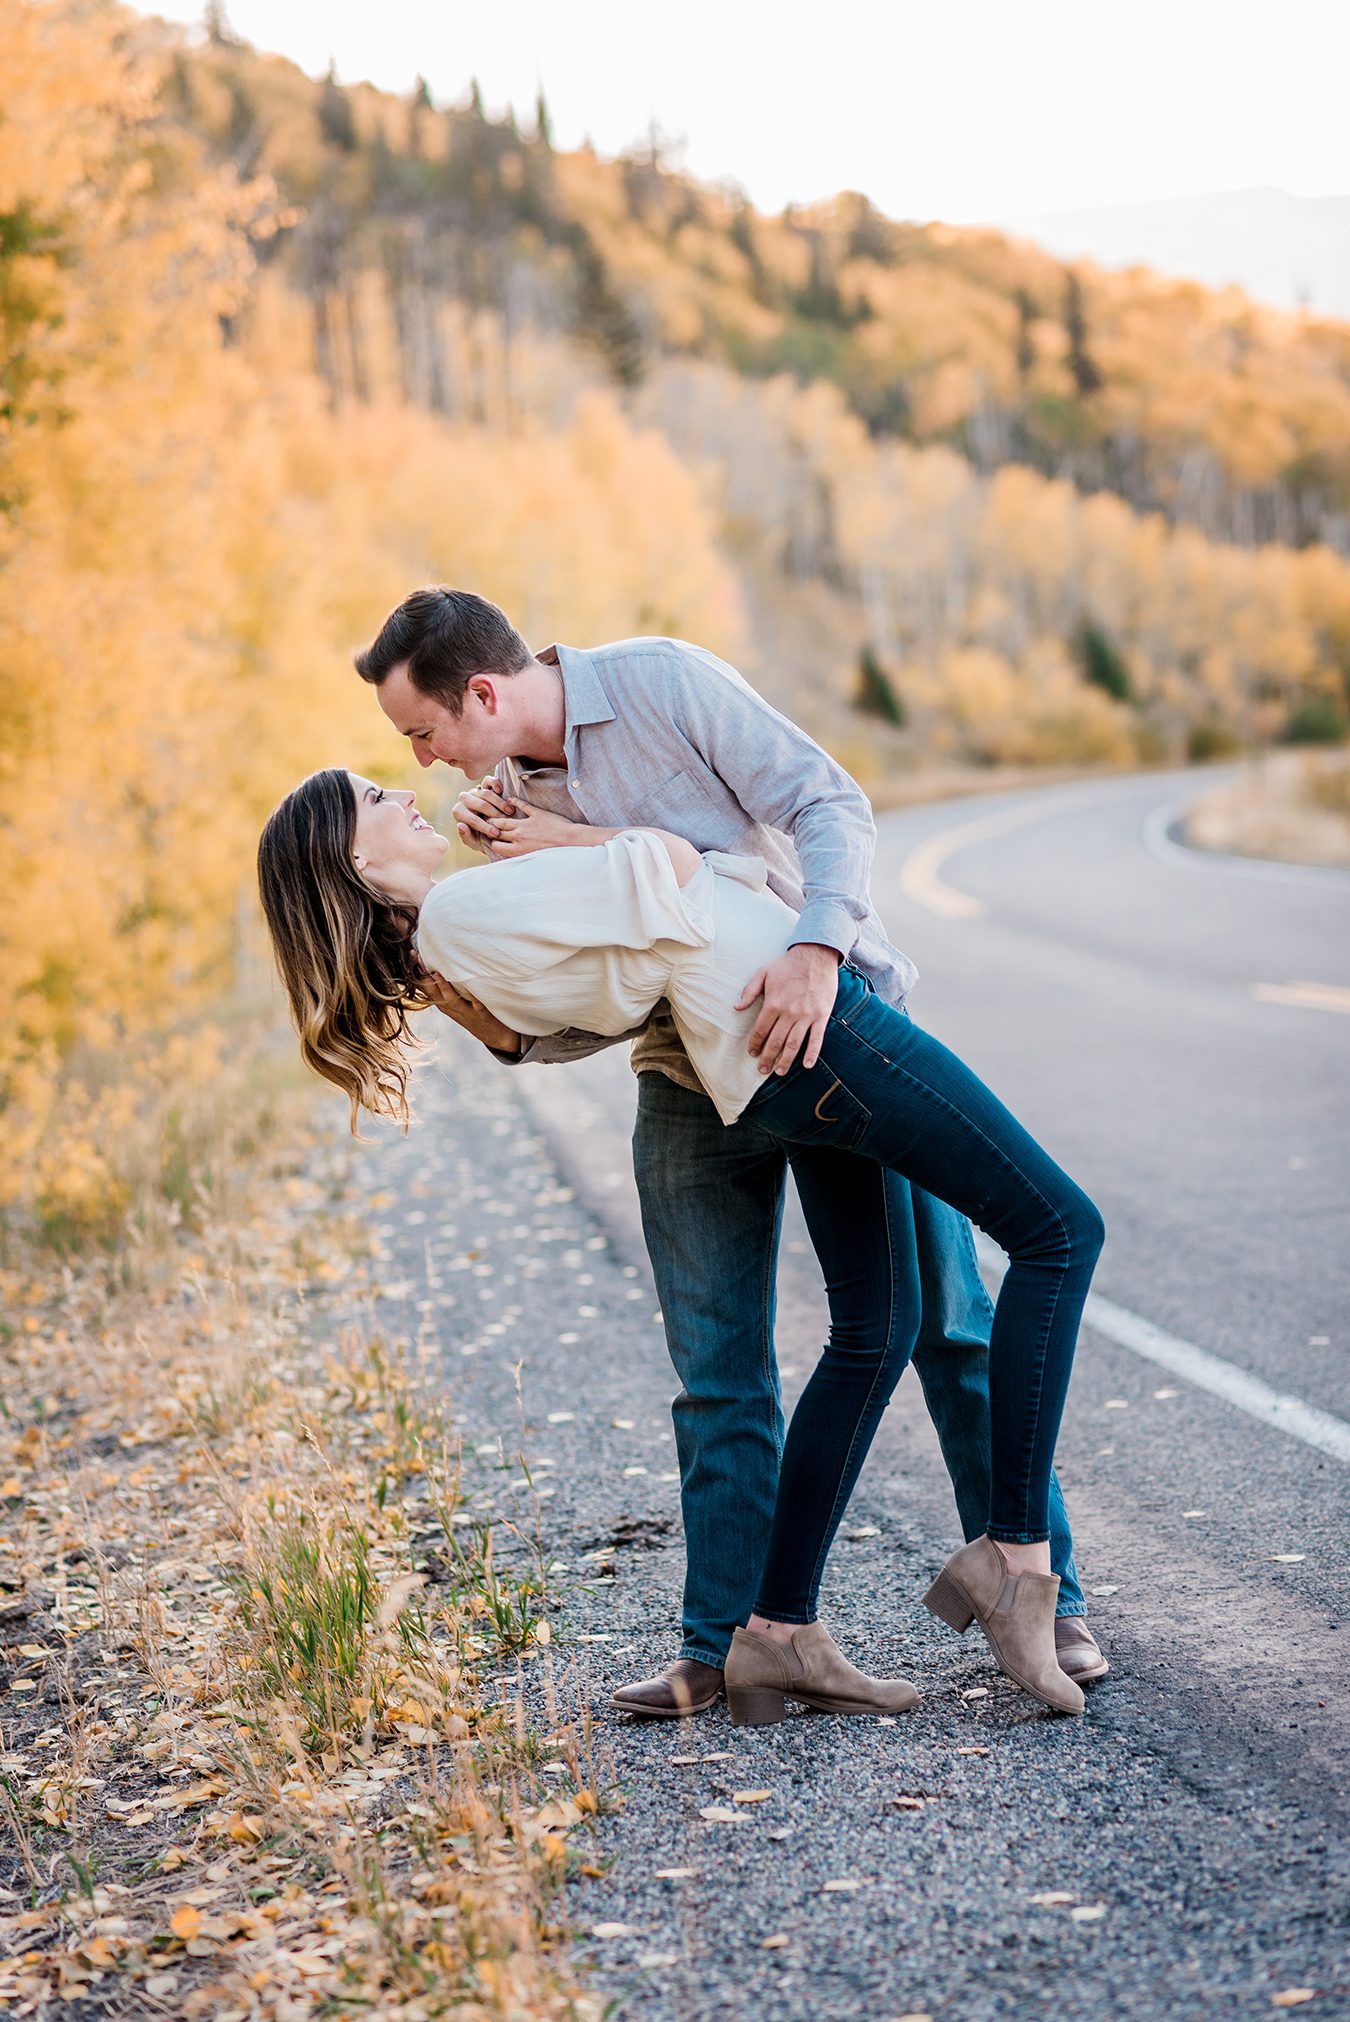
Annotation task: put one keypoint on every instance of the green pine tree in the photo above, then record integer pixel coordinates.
(335, 115)
(876, 693)
(1101, 661)
(1086, 377)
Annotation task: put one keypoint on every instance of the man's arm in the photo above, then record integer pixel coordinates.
(783, 778)
(471, 1016)
(513, 1049)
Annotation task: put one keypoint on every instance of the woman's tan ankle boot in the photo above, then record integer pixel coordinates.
(762, 1675)
(1016, 1612)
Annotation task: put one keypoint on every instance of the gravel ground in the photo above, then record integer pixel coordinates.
(1193, 1852)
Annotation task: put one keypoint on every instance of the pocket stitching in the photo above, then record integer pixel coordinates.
(860, 1122)
(836, 1083)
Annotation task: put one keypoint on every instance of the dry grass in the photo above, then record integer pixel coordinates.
(257, 1758)
(1292, 806)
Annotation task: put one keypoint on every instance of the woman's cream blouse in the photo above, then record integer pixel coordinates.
(591, 938)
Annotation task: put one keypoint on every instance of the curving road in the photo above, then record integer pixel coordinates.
(1148, 1009)
(1177, 1030)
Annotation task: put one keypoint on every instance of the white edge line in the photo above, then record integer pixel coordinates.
(1274, 870)
(1207, 1372)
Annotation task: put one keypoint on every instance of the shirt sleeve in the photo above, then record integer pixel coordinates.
(556, 1049)
(782, 778)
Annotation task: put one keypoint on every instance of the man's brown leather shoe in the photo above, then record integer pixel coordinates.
(683, 1688)
(1078, 1651)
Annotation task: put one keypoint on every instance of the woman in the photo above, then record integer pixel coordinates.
(589, 934)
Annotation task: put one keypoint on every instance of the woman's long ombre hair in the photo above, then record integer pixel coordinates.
(345, 953)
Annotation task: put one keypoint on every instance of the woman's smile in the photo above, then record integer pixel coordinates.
(397, 848)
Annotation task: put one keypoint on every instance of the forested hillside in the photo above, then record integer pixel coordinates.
(1206, 406)
(1053, 513)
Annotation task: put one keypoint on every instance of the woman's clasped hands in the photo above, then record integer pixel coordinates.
(487, 821)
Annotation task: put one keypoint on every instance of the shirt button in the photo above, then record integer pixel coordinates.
(574, 784)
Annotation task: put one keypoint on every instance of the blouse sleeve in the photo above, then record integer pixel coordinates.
(526, 915)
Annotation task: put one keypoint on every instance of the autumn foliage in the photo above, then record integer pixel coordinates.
(272, 352)
(191, 542)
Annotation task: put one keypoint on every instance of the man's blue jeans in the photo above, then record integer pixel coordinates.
(712, 1207)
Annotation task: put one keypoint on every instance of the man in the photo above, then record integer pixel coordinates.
(659, 733)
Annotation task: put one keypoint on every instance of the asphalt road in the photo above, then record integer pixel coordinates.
(1171, 1027)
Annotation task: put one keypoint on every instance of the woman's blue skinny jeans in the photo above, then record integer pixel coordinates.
(885, 1090)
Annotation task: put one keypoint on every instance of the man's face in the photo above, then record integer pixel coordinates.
(475, 741)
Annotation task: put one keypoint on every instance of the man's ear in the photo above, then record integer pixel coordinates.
(483, 689)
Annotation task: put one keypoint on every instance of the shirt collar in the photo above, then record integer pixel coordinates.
(584, 697)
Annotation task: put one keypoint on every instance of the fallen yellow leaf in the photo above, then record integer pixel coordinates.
(558, 1814)
(311, 1964)
(1293, 1997)
(750, 1796)
(185, 1921)
(775, 1943)
(198, 1793)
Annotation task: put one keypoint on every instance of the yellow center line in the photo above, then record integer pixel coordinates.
(1305, 996)
(919, 878)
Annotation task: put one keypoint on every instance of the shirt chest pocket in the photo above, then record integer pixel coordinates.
(693, 804)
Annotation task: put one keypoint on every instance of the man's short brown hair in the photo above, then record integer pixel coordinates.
(444, 637)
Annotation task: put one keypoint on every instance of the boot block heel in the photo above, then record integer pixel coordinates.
(948, 1602)
(756, 1705)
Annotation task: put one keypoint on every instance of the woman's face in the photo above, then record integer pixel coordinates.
(394, 846)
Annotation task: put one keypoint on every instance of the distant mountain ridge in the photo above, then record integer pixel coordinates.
(1293, 252)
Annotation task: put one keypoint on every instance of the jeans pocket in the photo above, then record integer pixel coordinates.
(812, 1106)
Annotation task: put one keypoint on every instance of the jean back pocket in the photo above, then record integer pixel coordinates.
(812, 1107)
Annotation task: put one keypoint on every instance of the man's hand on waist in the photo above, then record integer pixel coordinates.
(799, 990)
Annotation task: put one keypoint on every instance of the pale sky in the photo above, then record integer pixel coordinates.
(969, 110)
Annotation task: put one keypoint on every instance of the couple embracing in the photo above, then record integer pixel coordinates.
(673, 862)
